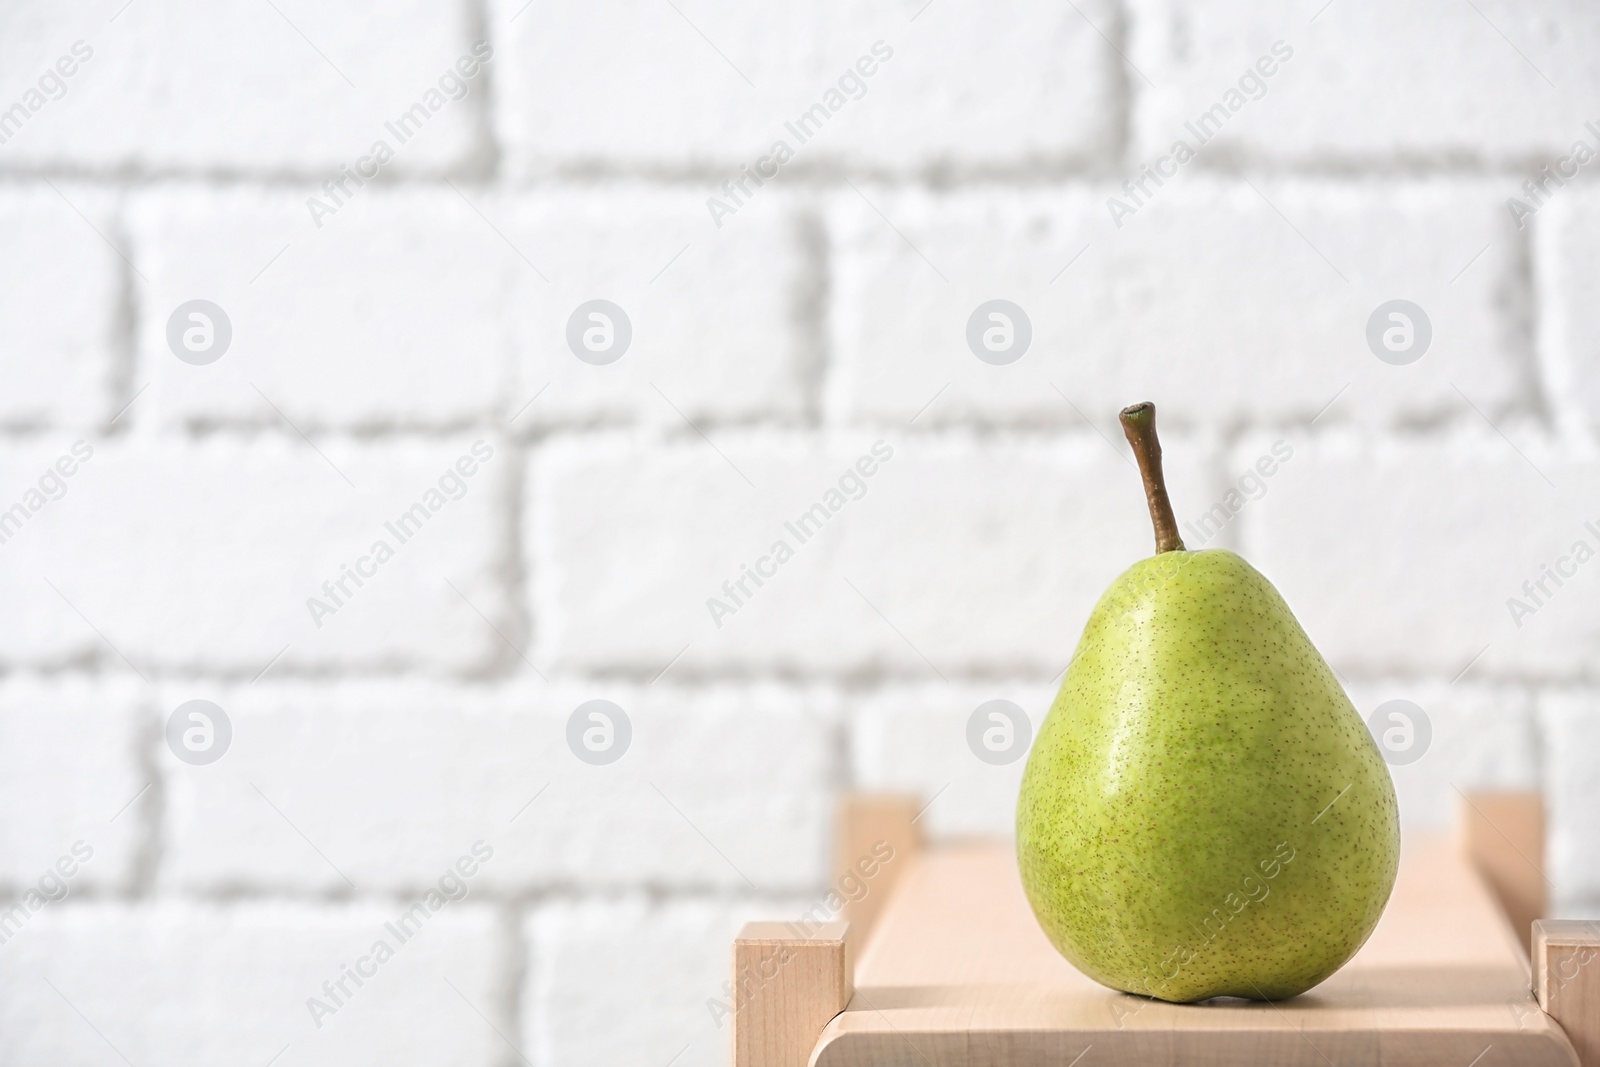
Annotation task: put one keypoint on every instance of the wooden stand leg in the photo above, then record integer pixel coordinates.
(874, 839)
(1566, 979)
(1504, 837)
(787, 985)
(791, 978)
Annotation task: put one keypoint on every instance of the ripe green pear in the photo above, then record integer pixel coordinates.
(1203, 813)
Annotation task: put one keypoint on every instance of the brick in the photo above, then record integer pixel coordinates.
(629, 981)
(196, 983)
(713, 84)
(1150, 308)
(58, 306)
(1404, 556)
(1571, 724)
(205, 555)
(193, 87)
(1479, 737)
(1369, 84)
(718, 316)
(393, 782)
(963, 555)
(914, 740)
(72, 767)
(1567, 268)
(405, 308)
(672, 95)
(392, 313)
(1036, 91)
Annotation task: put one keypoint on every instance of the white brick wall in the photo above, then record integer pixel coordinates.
(72, 775)
(828, 310)
(914, 740)
(713, 84)
(1483, 737)
(190, 87)
(1371, 83)
(1369, 542)
(1152, 307)
(860, 593)
(1572, 730)
(142, 975)
(718, 316)
(492, 752)
(353, 354)
(233, 537)
(60, 300)
(1568, 264)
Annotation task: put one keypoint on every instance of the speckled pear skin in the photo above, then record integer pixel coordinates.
(1174, 829)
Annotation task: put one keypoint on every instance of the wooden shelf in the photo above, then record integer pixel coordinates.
(959, 973)
(955, 972)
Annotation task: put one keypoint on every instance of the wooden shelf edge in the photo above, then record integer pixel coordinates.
(839, 1047)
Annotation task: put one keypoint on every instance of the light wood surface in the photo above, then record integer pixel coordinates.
(789, 980)
(1503, 834)
(958, 974)
(868, 826)
(1566, 977)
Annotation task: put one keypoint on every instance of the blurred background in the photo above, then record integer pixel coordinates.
(396, 381)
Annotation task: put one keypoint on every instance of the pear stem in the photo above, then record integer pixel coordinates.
(1139, 426)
